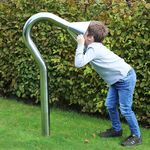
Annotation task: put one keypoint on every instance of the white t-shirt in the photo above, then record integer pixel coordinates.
(107, 64)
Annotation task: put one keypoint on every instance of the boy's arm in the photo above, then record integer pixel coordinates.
(82, 59)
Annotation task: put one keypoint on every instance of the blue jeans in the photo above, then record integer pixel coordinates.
(121, 94)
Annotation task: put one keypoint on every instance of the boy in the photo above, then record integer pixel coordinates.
(119, 75)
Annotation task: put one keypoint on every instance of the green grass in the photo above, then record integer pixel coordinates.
(20, 129)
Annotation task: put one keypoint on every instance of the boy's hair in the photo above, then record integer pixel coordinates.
(98, 30)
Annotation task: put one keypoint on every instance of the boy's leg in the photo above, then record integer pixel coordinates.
(112, 107)
(126, 89)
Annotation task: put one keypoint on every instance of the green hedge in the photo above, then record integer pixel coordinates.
(19, 74)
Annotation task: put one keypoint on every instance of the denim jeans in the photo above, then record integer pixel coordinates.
(121, 94)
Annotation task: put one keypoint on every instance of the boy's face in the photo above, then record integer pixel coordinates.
(88, 39)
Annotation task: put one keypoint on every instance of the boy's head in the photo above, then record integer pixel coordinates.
(96, 32)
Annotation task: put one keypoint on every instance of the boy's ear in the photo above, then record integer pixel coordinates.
(91, 37)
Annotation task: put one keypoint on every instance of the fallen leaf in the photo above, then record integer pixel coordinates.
(86, 141)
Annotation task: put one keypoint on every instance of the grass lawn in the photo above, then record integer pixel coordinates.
(20, 129)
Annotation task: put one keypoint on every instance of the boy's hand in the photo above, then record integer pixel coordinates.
(80, 39)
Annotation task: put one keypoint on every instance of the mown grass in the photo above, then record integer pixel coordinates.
(20, 129)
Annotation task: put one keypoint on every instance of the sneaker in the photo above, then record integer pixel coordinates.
(110, 133)
(132, 140)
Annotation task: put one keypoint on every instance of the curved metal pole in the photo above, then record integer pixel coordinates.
(74, 29)
(45, 113)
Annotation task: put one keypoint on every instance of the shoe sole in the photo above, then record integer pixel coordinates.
(131, 145)
(109, 136)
